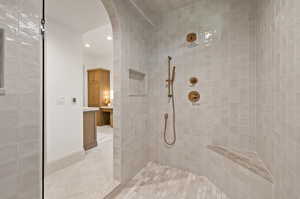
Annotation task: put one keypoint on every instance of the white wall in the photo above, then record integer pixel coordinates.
(92, 62)
(104, 61)
(64, 80)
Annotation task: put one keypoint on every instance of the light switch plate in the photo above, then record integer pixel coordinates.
(74, 100)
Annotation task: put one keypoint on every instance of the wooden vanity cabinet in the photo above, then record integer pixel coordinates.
(89, 129)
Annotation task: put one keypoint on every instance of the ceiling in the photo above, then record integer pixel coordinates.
(153, 9)
(81, 15)
(99, 45)
(85, 15)
(90, 18)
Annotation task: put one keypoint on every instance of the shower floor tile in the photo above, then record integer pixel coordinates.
(162, 182)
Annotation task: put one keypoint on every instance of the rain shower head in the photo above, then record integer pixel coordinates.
(191, 40)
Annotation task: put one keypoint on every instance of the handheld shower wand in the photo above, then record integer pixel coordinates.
(173, 73)
(170, 85)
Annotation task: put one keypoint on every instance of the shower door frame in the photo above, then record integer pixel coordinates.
(43, 20)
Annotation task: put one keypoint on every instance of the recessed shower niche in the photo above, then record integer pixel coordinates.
(2, 41)
(137, 83)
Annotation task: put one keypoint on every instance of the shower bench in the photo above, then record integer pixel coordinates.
(239, 173)
(248, 160)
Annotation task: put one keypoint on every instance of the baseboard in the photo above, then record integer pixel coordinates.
(62, 163)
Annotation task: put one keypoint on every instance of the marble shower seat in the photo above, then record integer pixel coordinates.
(250, 161)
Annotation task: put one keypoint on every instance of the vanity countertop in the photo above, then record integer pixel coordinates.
(90, 109)
(106, 107)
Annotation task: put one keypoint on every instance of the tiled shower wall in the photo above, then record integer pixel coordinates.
(20, 107)
(224, 67)
(278, 93)
(130, 112)
(225, 115)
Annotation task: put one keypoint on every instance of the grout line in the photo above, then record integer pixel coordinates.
(142, 12)
(114, 192)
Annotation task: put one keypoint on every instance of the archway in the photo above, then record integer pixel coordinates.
(117, 146)
(77, 156)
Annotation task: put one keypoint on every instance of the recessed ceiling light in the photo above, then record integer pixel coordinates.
(109, 38)
(87, 45)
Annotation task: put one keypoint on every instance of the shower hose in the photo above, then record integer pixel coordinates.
(173, 141)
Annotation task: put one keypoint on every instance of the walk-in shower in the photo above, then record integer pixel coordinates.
(235, 95)
(170, 85)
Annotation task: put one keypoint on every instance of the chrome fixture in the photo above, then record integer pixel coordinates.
(170, 85)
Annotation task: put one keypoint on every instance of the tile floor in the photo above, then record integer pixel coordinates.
(104, 134)
(91, 178)
(162, 182)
